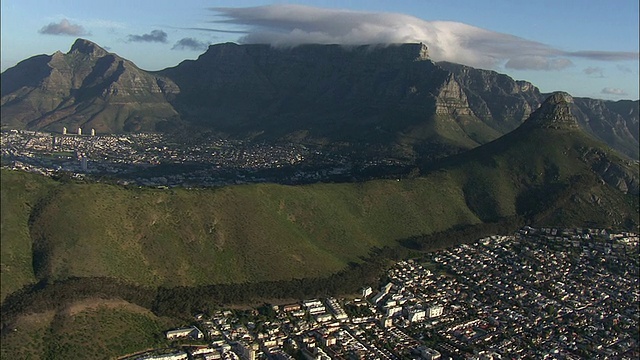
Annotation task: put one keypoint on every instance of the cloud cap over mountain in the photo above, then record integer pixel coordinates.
(291, 25)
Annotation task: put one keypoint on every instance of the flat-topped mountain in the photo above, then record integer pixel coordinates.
(392, 96)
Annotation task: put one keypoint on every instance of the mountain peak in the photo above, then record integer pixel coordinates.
(554, 113)
(87, 47)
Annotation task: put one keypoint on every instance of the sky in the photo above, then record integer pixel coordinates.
(588, 48)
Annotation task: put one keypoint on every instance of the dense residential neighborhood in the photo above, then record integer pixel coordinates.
(541, 293)
(153, 159)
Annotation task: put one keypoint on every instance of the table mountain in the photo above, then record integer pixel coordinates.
(394, 97)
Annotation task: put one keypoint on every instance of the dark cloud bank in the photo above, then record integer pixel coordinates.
(154, 36)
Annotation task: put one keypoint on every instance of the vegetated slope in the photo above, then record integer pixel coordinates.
(548, 171)
(20, 195)
(233, 234)
(87, 329)
(86, 87)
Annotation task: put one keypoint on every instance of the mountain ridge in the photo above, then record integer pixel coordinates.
(86, 87)
(331, 94)
(545, 175)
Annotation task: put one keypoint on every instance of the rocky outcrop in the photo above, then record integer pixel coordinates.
(614, 122)
(391, 95)
(451, 99)
(496, 99)
(86, 87)
(618, 173)
(554, 113)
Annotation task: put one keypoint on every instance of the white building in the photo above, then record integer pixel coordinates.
(386, 322)
(172, 356)
(366, 291)
(434, 311)
(324, 318)
(429, 354)
(312, 303)
(416, 315)
(246, 351)
(190, 332)
(393, 310)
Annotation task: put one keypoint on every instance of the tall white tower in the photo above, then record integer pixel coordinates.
(93, 132)
(64, 131)
(79, 131)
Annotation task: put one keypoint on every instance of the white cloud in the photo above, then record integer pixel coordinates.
(291, 25)
(64, 27)
(613, 91)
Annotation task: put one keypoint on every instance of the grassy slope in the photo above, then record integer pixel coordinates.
(234, 234)
(19, 193)
(270, 232)
(95, 329)
(540, 169)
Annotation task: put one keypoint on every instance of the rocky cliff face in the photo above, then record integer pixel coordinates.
(394, 96)
(554, 113)
(504, 104)
(615, 123)
(495, 98)
(325, 93)
(86, 87)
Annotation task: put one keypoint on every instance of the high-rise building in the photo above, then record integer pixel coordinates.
(79, 131)
(93, 132)
(64, 131)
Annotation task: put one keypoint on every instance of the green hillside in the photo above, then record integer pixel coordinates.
(234, 234)
(20, 193)
(547, 171)
(90, 329)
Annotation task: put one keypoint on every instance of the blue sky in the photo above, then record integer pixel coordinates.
(586, 47)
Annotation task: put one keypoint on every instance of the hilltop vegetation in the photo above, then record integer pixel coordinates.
(89, 329)
(177, 251)
(20, 193)
(234, 234)
(268, 232)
